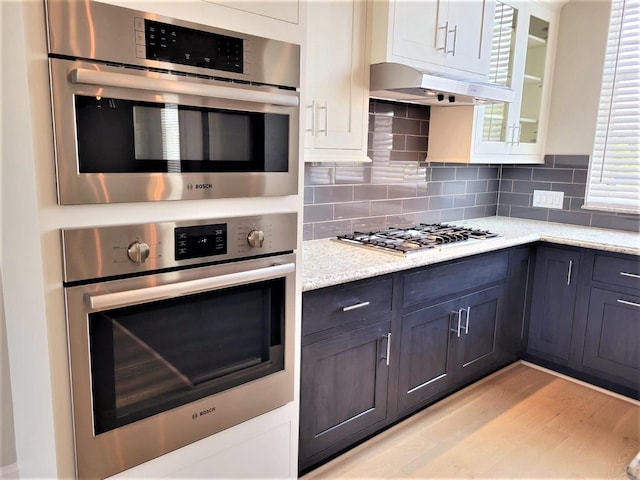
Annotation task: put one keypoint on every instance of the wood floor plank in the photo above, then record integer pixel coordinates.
(521, 423)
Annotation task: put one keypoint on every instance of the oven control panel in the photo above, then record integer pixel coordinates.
(200, 241)
(92, 253)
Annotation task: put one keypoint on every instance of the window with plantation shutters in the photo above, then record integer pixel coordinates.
(614, 175)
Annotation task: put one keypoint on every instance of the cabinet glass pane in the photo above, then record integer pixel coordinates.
(533, 80)
(494, 127)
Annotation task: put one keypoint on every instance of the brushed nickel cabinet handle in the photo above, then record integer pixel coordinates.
(455, 37)
(627, 302)
(325, 107)
(388, 348)
(627, 274)
(354, 307)
(457, 329)
(466, 327)
(446, 34)
(569, 272)
(312, 130)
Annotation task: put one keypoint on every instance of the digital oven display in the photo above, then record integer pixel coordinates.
(186, 46)
(201, 241)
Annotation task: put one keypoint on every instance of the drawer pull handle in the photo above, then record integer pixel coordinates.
(354, 307)
(569, 272)
(627, 274)
(627, 302)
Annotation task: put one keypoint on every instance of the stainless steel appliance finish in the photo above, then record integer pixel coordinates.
(421, 237)
(151, 307)
(151, 108)
(394, 81)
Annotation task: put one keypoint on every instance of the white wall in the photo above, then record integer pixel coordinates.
(577, 77)
(7, 436)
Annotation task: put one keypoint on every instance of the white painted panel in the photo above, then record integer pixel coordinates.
(259, 448)
(578, 72)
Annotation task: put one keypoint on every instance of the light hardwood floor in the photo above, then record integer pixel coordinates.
(519, 423)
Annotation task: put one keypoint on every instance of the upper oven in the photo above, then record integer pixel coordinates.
(150, 108)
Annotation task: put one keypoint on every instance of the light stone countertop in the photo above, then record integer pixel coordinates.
(327, 262)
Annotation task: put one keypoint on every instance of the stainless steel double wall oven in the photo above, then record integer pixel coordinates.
(151, 108)
(176, 330)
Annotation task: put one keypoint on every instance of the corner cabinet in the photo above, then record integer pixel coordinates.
(441, 36)
(337, 82)
(522, 56)
(585, 318)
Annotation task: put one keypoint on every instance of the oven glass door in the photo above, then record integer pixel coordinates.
(152, 357)
(125, 135)
(128, 136)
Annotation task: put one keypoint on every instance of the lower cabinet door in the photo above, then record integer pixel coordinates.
(555, 289)
(612, 341)
(343, 390)
(477, 346)
(424, 367)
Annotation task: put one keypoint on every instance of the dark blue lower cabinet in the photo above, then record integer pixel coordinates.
(343, 392)
(612, 340)
(552, 310)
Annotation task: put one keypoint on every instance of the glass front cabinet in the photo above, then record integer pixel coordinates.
(522, 54)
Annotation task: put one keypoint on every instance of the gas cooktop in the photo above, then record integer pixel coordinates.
(418, 238)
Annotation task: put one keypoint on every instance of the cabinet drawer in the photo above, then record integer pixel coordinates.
(624, 272)
(337, 306)
(441, 281)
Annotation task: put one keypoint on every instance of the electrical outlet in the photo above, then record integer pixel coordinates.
(548, 199)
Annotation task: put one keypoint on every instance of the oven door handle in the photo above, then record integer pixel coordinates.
(160, 292)
(179, 86)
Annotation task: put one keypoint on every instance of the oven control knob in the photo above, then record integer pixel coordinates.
(255, 238)
(138, 252)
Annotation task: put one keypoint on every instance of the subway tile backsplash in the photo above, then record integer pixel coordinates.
(565, 173)
(400, 189)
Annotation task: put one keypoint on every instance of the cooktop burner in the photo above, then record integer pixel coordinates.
(417, 238)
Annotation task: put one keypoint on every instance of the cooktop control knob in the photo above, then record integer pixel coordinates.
(138, 252)
(256, 238)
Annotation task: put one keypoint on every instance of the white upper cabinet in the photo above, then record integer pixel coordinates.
(337, 82)
(451, 37)
(522, 56)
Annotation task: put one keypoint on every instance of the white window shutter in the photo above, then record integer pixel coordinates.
(614, 174)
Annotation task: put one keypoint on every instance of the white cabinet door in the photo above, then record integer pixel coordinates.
(337, 82)
(416, 32)
(468, 41)
(523, 51)
(519, 128)
(443, 36)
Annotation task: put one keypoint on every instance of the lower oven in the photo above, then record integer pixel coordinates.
(176, 331)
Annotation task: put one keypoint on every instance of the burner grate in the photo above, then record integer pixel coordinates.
(417, 238)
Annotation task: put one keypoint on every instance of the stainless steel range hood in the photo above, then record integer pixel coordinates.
(394, 81)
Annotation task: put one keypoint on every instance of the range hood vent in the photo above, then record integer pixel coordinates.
(401, 83)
